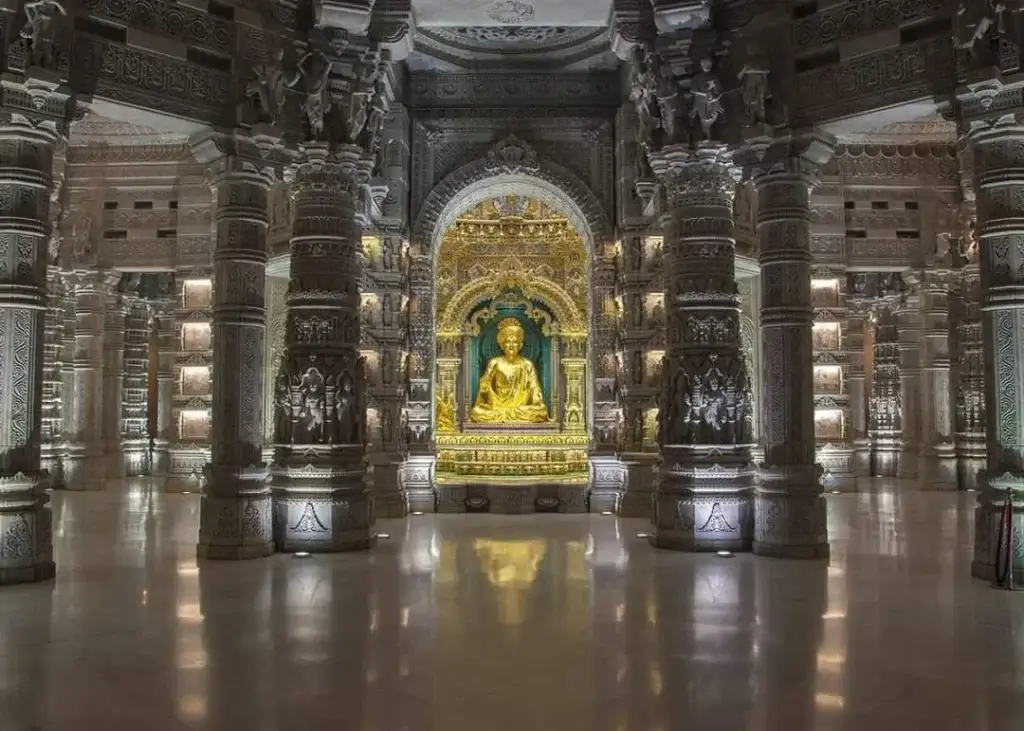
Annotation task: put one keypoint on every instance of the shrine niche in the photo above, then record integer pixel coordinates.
(512, 310)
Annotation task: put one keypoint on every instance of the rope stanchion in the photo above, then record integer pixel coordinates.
(1003, 578)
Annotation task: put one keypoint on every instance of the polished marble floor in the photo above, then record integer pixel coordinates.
(512, 623)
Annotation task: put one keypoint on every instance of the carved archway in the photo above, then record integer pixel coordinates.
(511, 167)
(571, 321)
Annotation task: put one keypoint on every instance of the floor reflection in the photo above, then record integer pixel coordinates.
(512, 622)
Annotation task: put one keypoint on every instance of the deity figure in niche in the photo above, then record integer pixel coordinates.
(509, 391)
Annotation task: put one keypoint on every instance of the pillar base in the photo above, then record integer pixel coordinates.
(641, 485)
(235, 515)
(416, 478)
(51, 459)
(970, 460)
(388, 501)
(987, 517)
(790, 519)
(185, 471)
(136, 458)
(937, 467)
(608, 485)
(836, 465)
(321, 501)
(84, 470)
(26, 530)
(860, 459)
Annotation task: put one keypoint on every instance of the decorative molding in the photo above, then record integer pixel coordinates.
(483, 90)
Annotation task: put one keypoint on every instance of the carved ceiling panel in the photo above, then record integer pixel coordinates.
(510, 12)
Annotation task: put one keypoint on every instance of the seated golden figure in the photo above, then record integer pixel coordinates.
(509, 390)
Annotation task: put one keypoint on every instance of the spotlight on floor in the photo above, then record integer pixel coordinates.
(642, 534)
(836, 492)
(302, 554)
(970, 489)
(725, 554)
(607, 512)
(417, 512)
(186, 492)
(384, 536)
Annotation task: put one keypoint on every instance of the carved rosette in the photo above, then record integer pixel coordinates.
(236, 511)
(789, 510)
(26, 163)
(705, 434)
(999, 183)
(321, 499)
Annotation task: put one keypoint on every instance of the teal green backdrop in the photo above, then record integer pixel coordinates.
(536, 347)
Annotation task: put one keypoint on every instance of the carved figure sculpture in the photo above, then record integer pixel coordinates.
(509, 391)
(367, 73)
(754, 77)
(707, 98)
(267, 89)
(643, 86)
(314, 68)
(38, 30)
(669, 106)
(346, 408)
(378, 114)
(445, 412)
(977, 26)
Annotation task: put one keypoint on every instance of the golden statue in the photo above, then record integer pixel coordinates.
(509, 389)
(446, 412)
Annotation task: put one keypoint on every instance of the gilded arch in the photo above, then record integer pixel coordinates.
(572, 323)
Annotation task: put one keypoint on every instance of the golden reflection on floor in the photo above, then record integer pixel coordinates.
(488, 622)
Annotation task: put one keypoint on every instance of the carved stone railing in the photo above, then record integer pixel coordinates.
(149, 80)
(892, 76)
(848, 20)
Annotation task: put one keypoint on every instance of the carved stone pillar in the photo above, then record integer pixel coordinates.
(856, 381)
(135, 387)
(886, 405)
(113, 365)
(999, 184)
(789, 509)
(166, 350)
(383, 342)
(321, 501)
(910, 333)
(703, 499)
(26, 160)
(937, 456)
(52, 416)
(277, 288)
(84, 463)
(417, 473)
(969, 371)
(235, 515)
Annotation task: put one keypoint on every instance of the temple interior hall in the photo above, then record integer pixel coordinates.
(620, 365)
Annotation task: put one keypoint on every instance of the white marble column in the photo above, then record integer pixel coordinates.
(113, 367)
(135, 387)
(789, 510)
(84, 463)
(856, 381)
(51, 427)
(999, 183)
(910, 334)
(321, 500)
(937, 456)
(235, 515)
(26, 163)
(969, 377)
(166, 351)
(703, 499)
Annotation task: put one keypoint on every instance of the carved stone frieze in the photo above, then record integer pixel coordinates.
(498, 90)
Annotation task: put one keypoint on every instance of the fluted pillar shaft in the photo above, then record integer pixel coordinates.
(999, 184)
(937, 456)
(909, 327)
(705, 434)
(52, 452)
(856, 387)
(166, 350)
(113, 368)
(84, 462)
(235, 515)
(26, 163)
(789, 510)
(321, 499)
(969, 377)
(135, 388)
